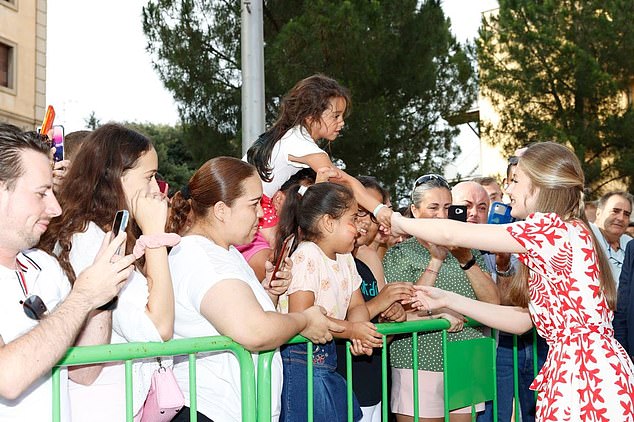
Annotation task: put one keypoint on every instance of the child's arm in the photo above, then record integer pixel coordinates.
(357, 326)
(363, 197)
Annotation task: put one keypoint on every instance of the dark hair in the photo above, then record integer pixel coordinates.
(92, 189)
(13, 142)
(370, 182)
(73, 142)
(309, 98)
(604, 199)
(300, 214)
(219, 179)
(304, 175)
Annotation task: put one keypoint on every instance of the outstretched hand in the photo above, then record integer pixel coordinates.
(428, 298)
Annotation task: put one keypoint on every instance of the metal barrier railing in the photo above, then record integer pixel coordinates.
(256, 393)
(386, 329)
(127, 352)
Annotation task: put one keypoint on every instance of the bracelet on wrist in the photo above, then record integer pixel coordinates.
(507, 273)
(378, 209)
(469, 263)
(429, 270)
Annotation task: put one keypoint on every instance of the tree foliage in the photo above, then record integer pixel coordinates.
(562, 70)
(405, 70)
(175, 160)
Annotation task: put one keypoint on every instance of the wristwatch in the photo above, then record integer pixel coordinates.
(469, 263)
(509, 272)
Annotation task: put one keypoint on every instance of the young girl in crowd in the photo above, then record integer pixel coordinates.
(217, 293)
(565, 281)
(115, 170)
(313, 109)
(324, 273)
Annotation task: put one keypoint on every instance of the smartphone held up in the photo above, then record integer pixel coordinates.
(119, 224)
(458, 213)
(500, 213)
(287, 247)
(58, 143)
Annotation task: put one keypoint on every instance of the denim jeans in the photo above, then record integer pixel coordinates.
(329, 388)
(504, 368)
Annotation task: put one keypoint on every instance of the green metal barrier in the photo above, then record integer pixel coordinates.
(459, 358)
(386, 329)
(127, 352)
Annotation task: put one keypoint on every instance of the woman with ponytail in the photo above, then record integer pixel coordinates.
(565, 288)
(217, 293)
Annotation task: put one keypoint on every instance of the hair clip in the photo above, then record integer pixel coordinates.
(302, 190)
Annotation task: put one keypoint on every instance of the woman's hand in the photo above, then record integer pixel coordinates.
(59, 173)
(319, 326)
(282, 280)
(436, 251)
(385, 217)
(150, 211)
(428, 298)
(456, 323)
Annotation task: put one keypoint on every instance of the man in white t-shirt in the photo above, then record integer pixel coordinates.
(40, 315)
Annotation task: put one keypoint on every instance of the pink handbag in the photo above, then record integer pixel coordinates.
(164, 399)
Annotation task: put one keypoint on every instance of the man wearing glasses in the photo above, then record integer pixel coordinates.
(613, 216)
(40, 315)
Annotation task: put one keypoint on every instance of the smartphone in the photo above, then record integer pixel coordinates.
(164, 187)
(47, 123)
(287, 247)
(119, 224)
(500, 214)
(458, 213)
(58, 143)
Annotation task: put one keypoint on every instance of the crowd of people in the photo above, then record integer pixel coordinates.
(201, 264)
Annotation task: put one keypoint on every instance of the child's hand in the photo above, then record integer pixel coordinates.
(325, 173)
(366, 333)
(319, 326)
(357, 349)
(395, 313)
(394, 292)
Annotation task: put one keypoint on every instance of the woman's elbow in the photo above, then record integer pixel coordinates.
(166, 330)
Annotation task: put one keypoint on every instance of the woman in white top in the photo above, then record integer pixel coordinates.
(114, 170)
(217, 293)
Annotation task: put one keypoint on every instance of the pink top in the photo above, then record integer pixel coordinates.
(332, 281)
(587, 375)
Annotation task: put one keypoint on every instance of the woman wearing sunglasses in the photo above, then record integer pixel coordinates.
(422, 263)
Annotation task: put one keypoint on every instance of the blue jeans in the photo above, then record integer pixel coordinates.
(329, 388)
(504, 368)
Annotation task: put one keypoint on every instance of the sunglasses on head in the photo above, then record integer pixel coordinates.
(436, 178)
(34, 307)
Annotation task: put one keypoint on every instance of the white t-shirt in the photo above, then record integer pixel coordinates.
(43, 277)
(296, 142)
(104, 399)
(197, 264)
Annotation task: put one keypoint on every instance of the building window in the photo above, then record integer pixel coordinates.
(6, 65)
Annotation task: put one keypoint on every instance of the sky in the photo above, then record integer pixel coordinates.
(96, 60)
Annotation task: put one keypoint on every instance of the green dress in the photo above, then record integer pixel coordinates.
(406, 261)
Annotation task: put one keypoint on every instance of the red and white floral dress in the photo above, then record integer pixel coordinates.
(587, 375)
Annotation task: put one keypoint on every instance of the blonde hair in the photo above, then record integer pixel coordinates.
(557, 172)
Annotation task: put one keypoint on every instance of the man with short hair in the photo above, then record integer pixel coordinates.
(613, 216)
(492, 187)
(40, 315)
